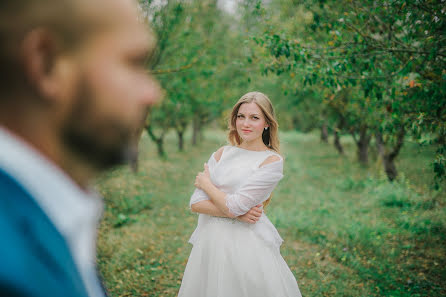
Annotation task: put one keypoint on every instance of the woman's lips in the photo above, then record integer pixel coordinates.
(246, 131)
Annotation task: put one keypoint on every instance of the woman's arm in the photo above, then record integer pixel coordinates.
(219, 197)
(209, 208)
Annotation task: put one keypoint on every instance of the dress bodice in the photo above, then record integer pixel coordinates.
(235, 166)
(238, 173)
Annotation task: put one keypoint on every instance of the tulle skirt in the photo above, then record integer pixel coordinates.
(228, 259)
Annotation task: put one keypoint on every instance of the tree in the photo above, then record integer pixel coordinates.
(393, 52)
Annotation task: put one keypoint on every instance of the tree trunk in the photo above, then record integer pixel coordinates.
(195, 130)
(134, 162)
(363, 153)
(158, 140)
(363, 145)
(337, 140)
(324, 132)
(390, 168)
(389, 157)
(134, 158)
(180, 134)
(160, 147)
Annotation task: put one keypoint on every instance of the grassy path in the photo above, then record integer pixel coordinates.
(347, 231)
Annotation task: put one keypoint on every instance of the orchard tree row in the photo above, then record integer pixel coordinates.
(374, 70)
(201, 60)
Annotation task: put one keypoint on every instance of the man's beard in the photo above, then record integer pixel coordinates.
(100, 140)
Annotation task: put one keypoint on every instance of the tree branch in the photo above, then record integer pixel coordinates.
(380, 76)
(402, 50)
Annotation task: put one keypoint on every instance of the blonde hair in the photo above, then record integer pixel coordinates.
(270, 136)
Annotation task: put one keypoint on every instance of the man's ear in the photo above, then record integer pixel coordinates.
(40, 51)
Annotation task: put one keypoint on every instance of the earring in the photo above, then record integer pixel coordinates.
(266, 128)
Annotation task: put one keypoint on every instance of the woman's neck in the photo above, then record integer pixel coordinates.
(255, 145)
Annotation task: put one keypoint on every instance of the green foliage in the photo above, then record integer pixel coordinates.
(120, 207)
(357, 68)
(391, 57)
(205, 60)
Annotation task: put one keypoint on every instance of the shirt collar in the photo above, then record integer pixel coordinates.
(64, 202)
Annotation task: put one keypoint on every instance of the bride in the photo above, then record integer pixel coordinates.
(236, 249)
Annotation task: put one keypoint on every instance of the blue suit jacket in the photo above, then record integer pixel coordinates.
(34, 257)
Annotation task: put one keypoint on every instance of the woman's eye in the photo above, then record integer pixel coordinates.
(240, 116)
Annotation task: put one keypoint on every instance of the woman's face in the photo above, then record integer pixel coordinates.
(250, 122)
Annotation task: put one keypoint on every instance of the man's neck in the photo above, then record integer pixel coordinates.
(50, 146)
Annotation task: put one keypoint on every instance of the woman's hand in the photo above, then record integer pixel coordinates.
(252, 216)
(203, 179)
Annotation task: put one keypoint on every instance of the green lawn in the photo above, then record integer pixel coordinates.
(347, 231)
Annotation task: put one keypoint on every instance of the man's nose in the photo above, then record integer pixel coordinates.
(152, 93)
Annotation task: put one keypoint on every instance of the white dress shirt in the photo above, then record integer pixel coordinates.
(73, 211)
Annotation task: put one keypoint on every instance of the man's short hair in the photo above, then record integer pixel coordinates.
(18, 17)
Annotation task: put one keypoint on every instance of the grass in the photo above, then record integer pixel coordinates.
(347, 230)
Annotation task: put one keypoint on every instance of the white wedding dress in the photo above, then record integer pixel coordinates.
(230, 258)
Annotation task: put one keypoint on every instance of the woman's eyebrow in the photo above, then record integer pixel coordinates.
(251, 114)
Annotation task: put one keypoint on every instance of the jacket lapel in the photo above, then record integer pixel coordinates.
(42, 236)
(52, 248)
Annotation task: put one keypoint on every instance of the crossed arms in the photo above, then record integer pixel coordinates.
(246, 203)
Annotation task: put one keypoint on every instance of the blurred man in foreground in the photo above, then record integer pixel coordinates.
(73, 89)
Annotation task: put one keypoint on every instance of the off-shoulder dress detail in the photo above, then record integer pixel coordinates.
(230, 258)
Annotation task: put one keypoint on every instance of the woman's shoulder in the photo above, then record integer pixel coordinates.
(218, 153)
(273, 155)
(272, 158)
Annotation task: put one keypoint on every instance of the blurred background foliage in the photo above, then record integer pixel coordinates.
(359, 92)
(374, 70)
